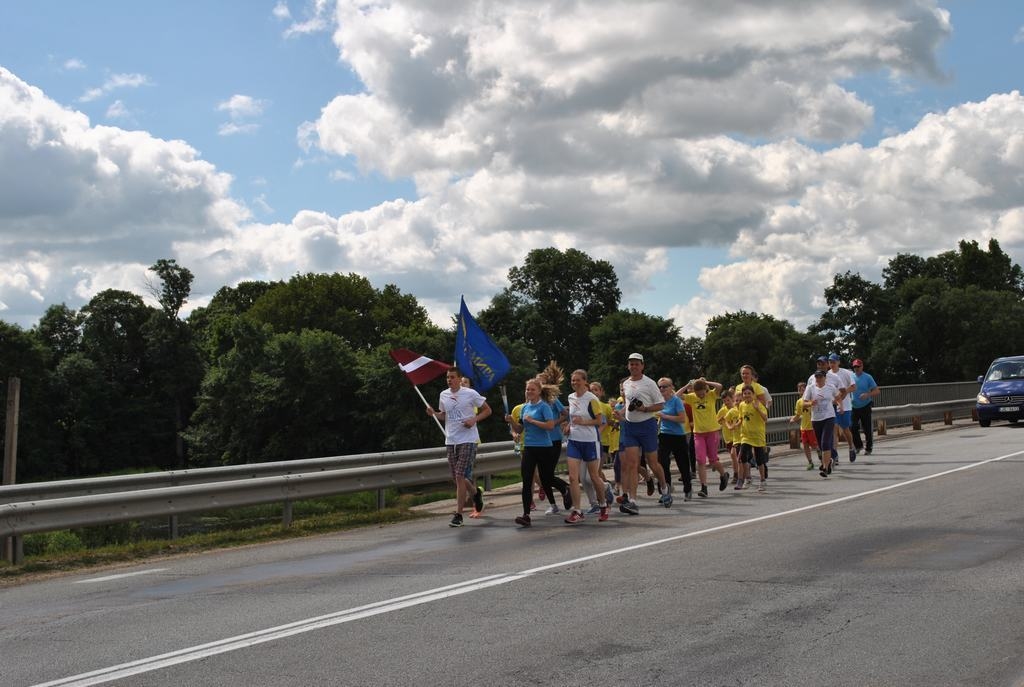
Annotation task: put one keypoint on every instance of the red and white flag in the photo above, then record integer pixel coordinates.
(418, 368)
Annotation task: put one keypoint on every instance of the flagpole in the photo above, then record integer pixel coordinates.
(439, 425)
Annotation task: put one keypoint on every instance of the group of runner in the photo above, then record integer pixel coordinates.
(640, 433)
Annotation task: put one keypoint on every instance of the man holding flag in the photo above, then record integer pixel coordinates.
(461, 408)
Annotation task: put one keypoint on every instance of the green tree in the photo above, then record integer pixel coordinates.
(23, 355)
(277, 397)
(947, 334)
(627, 331)
(781, 355)
(60, 330)
(857, 308)
(345, 305)
(551, 303)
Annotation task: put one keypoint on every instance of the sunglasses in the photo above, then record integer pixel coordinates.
(664, 386)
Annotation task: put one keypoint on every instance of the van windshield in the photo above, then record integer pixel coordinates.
(1005, 371)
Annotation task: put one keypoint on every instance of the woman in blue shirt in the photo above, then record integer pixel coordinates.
(535, 423)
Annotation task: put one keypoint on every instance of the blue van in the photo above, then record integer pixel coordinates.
(1002, 391)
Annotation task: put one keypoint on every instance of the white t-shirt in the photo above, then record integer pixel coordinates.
(586, 407)
(457, 406)
(848, 380)
(823, 397)
(646, 389)
(830, 378)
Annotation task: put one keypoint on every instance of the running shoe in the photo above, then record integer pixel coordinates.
(541, 494)
(734, 478)
(574, 517)
(823, 472)
(650, 486)
(523, 520)
(666, 500)
(609, 497)
(761, 487)
(478, 501)
(533, 506)
(604, 515)
(739, 484)
(567, 498)
(553, 509)
(830, 467)
(723, 482)
(630, 508)
(867, 452)
(810, 466)
(456, 520)
(703, 493)
(595, 509)
(687, 495)
(853, 454)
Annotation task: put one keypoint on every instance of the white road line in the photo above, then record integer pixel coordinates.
(195, 653)
(118, 577)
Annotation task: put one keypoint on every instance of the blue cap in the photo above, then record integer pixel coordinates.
(834, 356)
(822, 359)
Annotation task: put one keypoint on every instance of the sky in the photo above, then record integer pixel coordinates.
(723, 156)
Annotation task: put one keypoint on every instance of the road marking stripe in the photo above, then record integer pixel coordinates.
(195, 653)
(118, 577)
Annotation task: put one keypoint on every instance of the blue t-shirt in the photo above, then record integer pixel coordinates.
(673, 406)
(534, 435)
(556, 432)
(865, 383)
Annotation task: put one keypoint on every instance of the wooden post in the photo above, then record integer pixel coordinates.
(916, 422)
(947, 417)
(286, 514)
(880, 428)
(12, 545)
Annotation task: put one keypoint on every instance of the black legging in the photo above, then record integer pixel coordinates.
(678, 446)
(541, 459)
(825, 433)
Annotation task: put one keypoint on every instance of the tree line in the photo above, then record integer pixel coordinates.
(300, 368)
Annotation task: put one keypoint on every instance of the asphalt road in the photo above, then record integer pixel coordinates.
(904, 568)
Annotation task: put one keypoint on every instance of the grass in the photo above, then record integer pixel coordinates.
(78, 549)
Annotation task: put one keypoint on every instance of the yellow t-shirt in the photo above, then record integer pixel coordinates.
(606, 428)
(738, 389)
(705, 417)
(804, 412)
(517, 415)
(727, 414)
(752, 428)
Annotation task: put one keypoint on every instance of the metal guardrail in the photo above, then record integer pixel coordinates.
(51, 514)
(33, 491)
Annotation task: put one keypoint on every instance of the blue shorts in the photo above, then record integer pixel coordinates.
(582, 450)
(844, 419)
(643, 434)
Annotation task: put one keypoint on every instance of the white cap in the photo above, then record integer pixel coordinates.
(636, 356)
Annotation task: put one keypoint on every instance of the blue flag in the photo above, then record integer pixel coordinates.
(476, 355)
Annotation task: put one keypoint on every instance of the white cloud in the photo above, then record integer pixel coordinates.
(240, 109)
(232, 129)
(115, 82)
(242, 106)
(317, 19)
(623, 129)
(281, 11)
(118, 110)
(73, 64)
(1019, 36)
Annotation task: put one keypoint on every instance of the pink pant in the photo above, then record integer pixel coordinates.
(706, 446)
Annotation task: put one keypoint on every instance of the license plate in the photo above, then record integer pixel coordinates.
(1010, 409)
